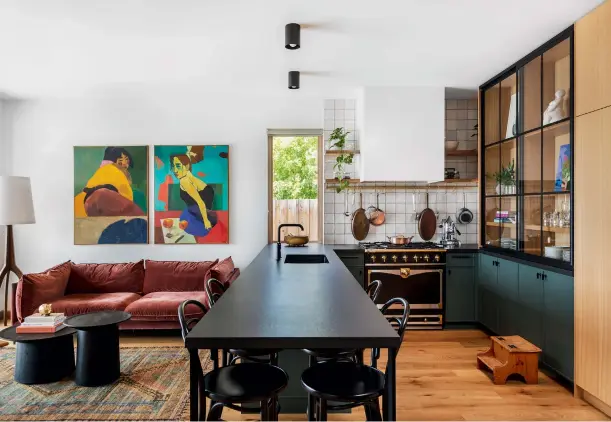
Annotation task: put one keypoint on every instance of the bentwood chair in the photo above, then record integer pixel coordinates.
(352, 384)
(373, 289)
(214, 290)
(229, 386)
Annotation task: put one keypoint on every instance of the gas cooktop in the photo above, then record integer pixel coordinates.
(388, 245)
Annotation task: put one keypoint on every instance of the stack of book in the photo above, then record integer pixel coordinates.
(37, 323)
(505, 217)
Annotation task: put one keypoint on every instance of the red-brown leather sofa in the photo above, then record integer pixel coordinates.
(149, 290)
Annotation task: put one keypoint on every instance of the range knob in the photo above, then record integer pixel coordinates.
(373, 258)
(437, 258)
(404, 258)
(426, 258)
(394, 258)
(416, 258)
(383, 258)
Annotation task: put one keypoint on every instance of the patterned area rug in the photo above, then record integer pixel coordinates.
(154, 385)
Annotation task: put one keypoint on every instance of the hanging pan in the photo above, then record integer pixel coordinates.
(360, 222)
(464, 215)
(427, 222)
(377, 217)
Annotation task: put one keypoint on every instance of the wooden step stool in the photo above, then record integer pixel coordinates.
(511, 355)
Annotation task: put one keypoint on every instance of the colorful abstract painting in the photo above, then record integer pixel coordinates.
(110, 195)
(191, 194)
(563, 169)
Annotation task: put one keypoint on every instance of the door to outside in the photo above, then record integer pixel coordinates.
(295, 186)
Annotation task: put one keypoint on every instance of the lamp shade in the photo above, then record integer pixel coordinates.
(16, 205)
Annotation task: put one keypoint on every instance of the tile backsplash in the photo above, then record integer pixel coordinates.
(401, 203)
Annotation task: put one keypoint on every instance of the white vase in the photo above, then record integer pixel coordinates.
(498, 189)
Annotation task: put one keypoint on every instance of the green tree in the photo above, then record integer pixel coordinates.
(295, 172)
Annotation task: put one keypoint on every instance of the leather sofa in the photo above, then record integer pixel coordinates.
(149, 290)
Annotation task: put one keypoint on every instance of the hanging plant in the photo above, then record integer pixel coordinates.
(338, 141)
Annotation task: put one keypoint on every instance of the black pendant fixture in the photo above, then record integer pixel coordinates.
(292, 36)
(293, 79)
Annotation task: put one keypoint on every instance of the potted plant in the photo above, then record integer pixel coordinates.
(338, 141)
(506, 180)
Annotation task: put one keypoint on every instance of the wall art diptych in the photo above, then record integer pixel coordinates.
(191, 194)
(110, 195)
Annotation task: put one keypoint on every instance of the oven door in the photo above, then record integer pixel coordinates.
(421, 287)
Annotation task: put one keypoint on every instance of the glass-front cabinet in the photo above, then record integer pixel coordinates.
(526, 123)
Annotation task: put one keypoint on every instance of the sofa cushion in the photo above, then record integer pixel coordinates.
(35, 289)
(163, 306)
(81, 303)
(176, 276)
(223, 270)
(106, 278)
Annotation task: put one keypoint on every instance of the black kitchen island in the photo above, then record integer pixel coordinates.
(295, 306)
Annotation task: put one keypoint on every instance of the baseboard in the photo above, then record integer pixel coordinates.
(593, 400)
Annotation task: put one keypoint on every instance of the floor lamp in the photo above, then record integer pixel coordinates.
(16, 207)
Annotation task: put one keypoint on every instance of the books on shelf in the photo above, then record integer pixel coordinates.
(37, 323)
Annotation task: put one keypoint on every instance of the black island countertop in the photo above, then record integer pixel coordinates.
(294, 306)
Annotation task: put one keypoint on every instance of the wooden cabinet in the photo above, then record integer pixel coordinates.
(507, 293)
(592, 257)
(593, 60)
(460, 288)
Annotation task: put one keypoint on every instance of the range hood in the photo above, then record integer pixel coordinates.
(401, 133)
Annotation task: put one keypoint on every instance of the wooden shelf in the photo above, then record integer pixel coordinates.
(399, 185)
(459, 181)
(547, 228)
(342, 151)
(504, 225)
(462, 153)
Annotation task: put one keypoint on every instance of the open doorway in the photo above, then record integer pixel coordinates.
(295, 184)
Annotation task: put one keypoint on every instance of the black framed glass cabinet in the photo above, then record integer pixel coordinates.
(526, 128)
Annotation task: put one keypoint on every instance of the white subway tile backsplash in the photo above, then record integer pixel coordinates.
(329, 104)
(329, 124)
(461, 104)
(340, 104)
(328, 219)
(472, 104)
(339, 123)
(340, 114)
(350, 104)
(400, 208)
(349, 124)
(329, 114)
(349, 115)
(472, 114)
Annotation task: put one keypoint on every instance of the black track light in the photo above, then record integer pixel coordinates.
(293, 79)
(292, 36)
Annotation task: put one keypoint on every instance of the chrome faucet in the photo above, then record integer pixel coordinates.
(279, 254)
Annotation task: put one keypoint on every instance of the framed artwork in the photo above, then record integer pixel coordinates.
(191, 194)
(563, 169)
(110, 195)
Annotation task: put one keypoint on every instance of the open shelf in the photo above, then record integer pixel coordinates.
(416, 185)
(462, 153)
(342, 151)
(547, 228)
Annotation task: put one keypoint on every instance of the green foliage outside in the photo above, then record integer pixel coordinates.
(295, 169)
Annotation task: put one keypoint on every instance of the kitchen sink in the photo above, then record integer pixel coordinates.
(306, 259)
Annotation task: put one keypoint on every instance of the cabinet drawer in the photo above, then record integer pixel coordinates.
(460, 260)
(351, 258)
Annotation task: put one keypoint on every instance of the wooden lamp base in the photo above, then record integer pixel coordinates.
(9, 267)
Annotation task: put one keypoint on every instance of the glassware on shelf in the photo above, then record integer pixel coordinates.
(547, 219)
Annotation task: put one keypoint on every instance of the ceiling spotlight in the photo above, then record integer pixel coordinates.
(292, 36)
(293, 79)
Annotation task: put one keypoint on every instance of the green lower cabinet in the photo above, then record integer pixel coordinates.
(460, 294)
(507, 291)
(488, 308)
(530, 305)
(558, 320)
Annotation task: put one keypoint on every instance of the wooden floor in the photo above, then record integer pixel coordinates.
(437, 379)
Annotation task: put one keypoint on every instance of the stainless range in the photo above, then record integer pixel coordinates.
(414, 272)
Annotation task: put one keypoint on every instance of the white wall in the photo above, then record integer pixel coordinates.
(46, 129)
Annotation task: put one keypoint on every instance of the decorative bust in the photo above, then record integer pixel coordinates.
(554, 111)
(45, 309)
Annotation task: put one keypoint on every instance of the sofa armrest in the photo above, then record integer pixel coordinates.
(14, 320)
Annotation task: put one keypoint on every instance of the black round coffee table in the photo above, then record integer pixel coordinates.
(97, 353)
(42, 358)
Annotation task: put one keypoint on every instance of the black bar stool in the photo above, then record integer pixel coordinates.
(244, 383)
(214, 291)
(352, 384)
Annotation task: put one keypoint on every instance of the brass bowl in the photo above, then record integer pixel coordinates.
(291, 240)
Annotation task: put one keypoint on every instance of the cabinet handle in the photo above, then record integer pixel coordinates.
(538, 276)
(461, 257)
(449, 272)
(544, 276)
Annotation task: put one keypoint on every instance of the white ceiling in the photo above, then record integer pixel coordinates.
(67, 47)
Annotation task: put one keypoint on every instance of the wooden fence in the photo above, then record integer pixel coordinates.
(302, 211)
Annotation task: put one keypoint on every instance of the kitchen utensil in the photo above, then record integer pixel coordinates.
(464, 215)
(427, 222)
(346, 211)
(377, 216)
(292, 240)
(400, 239)
(360, 222)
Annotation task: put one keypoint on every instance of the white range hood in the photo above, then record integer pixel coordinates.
(401, 133)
